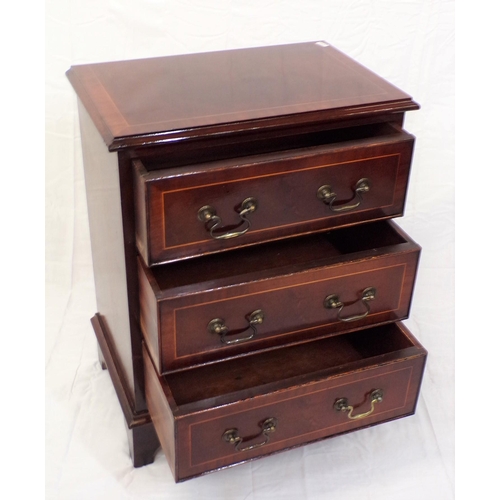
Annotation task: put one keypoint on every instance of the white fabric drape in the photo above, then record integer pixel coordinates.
(408, 42)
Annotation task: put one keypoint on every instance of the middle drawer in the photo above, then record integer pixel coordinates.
(216, 307)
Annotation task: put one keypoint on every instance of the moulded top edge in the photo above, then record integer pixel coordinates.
(147, 101)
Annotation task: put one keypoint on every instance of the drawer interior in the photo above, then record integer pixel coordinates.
(270, 259)
(179, 154)
(240, 378)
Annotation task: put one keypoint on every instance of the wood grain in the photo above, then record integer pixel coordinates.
(285, 186)
(285, 384)
(157, 100)
(287, 282)
(161, 138)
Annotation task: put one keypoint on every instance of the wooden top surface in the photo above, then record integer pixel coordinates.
(155, 100)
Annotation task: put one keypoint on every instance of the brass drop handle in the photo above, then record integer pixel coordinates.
(208, 215)
(327, 196)
(333, 302)
(219, 327)
(267, 427)
(342, 404)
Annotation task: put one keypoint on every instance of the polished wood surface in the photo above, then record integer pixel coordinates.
(198, 406)
(177, 306)
(112, 242)
(284, 185)
(161, 138)
(109, 187)
(160, 99)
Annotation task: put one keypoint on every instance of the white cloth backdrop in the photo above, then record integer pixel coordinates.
(408, 42)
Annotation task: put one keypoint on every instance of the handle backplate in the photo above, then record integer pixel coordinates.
(333, 302)
(219, 327)
(267, 427)
(342, 404)
(328, 196)
(213, 223)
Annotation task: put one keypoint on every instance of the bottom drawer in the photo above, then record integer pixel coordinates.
(214, 416)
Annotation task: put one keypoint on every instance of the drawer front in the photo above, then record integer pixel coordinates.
(267, 424)
(292, 309)
(209, 209)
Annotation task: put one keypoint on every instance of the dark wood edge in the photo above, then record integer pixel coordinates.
(149, 275)
(148, 360)
(132, 278)
(403, 234)
(231, 128)
(416, 343)
(167, 136)
(132, 418)
(141, 209)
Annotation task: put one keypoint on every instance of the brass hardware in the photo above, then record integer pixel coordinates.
(208, 215)
(219, 327)
(267, 426)
(327, 196)
(342, 404)
(333, 302)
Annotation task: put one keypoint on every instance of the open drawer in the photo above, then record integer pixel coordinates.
(329, 179)
(218, 415)
(221, 306)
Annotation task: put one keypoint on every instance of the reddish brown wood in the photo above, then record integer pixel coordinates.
(162, 411)
(143, 444)
(112, 235)
(285, 186)
(288, 282)
(150, 101)
(186, 131)
(259, 141)
(201, 404)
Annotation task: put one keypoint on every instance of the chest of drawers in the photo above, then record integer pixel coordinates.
(249, 280)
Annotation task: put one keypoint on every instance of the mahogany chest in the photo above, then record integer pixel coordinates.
(250, 282)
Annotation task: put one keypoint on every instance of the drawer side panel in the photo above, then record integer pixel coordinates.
(161, 412)
(149, 316)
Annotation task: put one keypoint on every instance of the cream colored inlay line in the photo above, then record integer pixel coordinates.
(164, 195)
(236, 297)
(295, 436)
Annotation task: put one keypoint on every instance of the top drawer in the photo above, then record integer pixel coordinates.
(210, 207)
